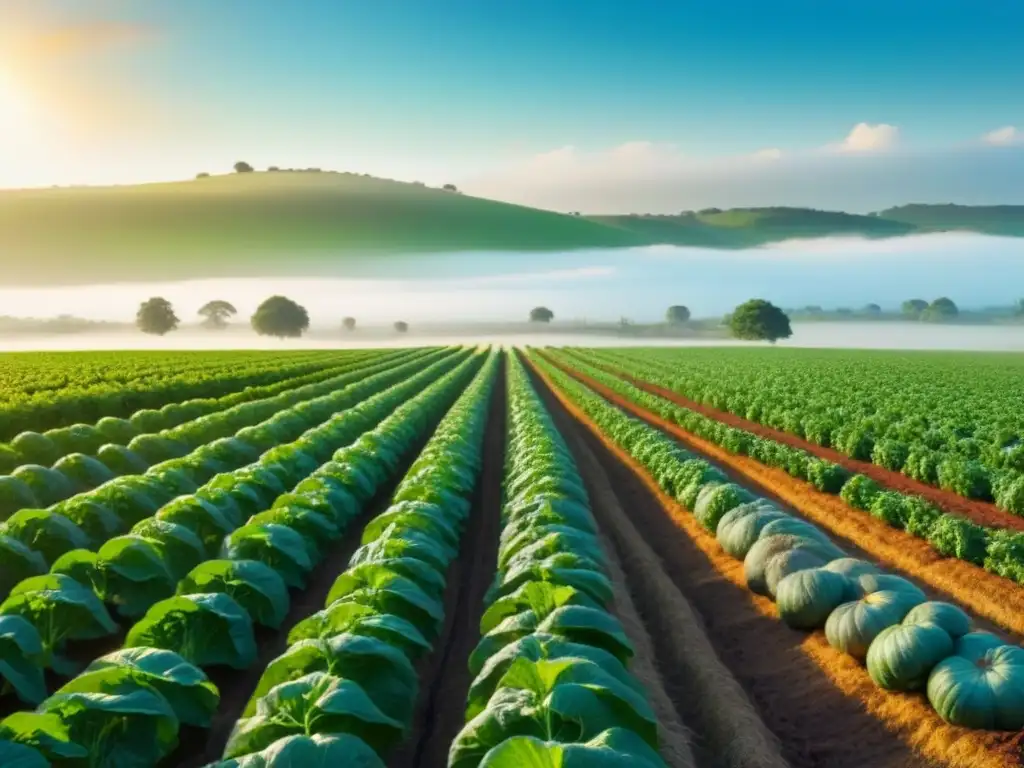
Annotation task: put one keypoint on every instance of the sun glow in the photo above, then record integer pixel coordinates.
(15, 109)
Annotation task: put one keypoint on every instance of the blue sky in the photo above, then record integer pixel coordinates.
(564, 104)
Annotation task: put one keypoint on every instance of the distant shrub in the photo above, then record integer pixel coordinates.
(826, 476)
(955, 536)
(891, 454)
(860, 491)
(966, 477)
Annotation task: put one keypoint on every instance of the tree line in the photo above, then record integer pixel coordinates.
(277, 316)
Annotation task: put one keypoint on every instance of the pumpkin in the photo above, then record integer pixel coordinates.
(806, 598)
(851, 567)
(740, 528)
(755, 564)
(796, 527)
(986, 693)
(974, 645)
(901, 657)
(884, 582)
(945, 615)
(853, 626)
(714, 501)
(786, 563)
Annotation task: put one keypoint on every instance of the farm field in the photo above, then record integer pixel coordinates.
(474, 556)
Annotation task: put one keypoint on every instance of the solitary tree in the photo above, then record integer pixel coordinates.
(914, 307)
(941, 309)
(349, 323)
(450, 188)
(203, 175)
(401, 326)
(273, 169)
(215, 314)
(243, 167)
(677, 314)
(541, 315)
(280, 316)
(872, 309)
(759, 320)
(156, 316)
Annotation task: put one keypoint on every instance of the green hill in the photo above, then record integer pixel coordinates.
(262, 224)
(323, 224)
(1005, 220)
(750, 227)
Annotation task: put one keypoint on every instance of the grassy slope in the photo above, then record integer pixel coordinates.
(327, 223)
(991, 219)
(261, 224)
(747, 227)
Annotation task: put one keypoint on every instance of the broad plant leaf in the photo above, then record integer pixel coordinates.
(256, 587)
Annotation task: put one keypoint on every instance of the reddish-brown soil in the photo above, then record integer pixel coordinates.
(819, 703)
(998, 602)
(981, 512)
(444, 674)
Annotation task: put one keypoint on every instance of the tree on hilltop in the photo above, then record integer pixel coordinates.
(759, 320)
(541, 315)
(215, 314)
(243, 167)
(281, 317)
(156, 316)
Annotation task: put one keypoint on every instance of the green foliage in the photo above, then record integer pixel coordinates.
(759, 320)
(541, 315)
(677, 314)
(156, 316)
(281, 317)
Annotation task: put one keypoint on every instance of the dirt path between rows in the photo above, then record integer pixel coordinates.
(444, 674)
(980, 512)
(820, 703)
(749, 668)
(997, 602)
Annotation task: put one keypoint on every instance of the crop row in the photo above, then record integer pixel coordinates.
(127, 707)
(74, 403)
(347, 683)
(972, 679)
(958, 427)
(998, 551)
(552, 684)
(34, 540)
(121, 444)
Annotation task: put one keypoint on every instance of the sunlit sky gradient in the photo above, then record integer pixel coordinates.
(595, 104)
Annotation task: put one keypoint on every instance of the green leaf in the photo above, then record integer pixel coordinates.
(205, 629)
(201, 517)
(384, 672)
(315, 703)
(135, 729)
(48, 533)
(540, 596)
(256, 587)
(357, 619)
(20, 562)
(47, 733)
(277, 546)
(97, 521)
(318, 530)
(589, 626)
(180, 549)
(21, 656)
(317, 751)
(190, 693)
(615, 748)
(540, 541)
(60, 609)
(134, 573)
(414, 515)
(398, 542)
(534, 648)
(14, 755)
(390, 592)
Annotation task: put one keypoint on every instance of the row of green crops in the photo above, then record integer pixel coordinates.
(347, 682)
(948, 420)
(972, 679)
(132, 572)
(70, 402)
(126, 708)
(33, 539)
(105, 439)
(998, 551)
(552, 685)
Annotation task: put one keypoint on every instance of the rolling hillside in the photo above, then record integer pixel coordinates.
(335, 224)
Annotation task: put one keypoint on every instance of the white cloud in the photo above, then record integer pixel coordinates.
(769, 153)
(1004, 137)
(865, 137)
